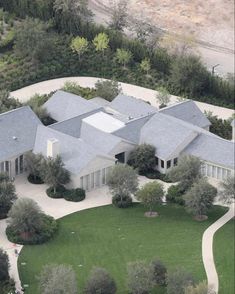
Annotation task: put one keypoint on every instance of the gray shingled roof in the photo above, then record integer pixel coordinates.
(20, 123)
(212, 149)
(75, 153)
(189, 112)
(100, 101)
(165, 134)
(131, 131)
(72, 126)
(62, 106)
(131, 106)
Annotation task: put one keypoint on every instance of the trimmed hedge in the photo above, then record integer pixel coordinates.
(48, 229)
(35, 180)
(124, 202)
(75, 195)
(156, 175)
(60, 192)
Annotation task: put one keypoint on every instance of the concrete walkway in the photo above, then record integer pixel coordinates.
(139, 92)
(55, 207)
(207, 249)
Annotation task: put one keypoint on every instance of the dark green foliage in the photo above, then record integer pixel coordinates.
(7, 103)
(122, 202)
(33, 163)
(107, 89)
(220, 127)
(60, 192)
(159, 272)
(4, 262)
(156, 175)
(35, 180)
(175, 194)
(75, 195)
(7, 195)
(74, 88)
(142, 158)
(100, 282)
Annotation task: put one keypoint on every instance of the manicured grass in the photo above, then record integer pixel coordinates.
(110, 237)
(224, 251)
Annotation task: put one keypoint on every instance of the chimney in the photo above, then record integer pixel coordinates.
(53, 148)
(233, 130)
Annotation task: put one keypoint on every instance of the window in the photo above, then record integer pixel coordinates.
(97, 178)
(168, 164)
(156, 160)
(81, 182)
(162, 164)
(92, 180)
(175, 161)
(103, 176)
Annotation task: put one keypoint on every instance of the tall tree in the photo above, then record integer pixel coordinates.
(119, 14)
(57, 279)
(53, 172)
(150, 194)
(101, 42)
(123, 56)
(227, 194)
(199, 198)
(79, 45)
(100, 281)
(7, 195)
(186, 172)
(33, 163)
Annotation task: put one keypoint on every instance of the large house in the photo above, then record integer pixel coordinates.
(93, 135)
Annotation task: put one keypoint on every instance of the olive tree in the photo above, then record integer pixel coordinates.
(186, 172)
(100, 281)
(57, 279)
(151, 194)
(163, 96)
(7, 195)
(199, 198)
(33, 163)
(122, 180)
(107, 89)
(228, 190)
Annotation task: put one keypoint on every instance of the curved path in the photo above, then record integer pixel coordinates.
(207, 249)
(146, 94)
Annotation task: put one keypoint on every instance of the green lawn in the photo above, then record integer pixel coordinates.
(110, 237)
(224, 251)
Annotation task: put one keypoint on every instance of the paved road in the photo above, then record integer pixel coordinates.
(143, 93)
(207, 249)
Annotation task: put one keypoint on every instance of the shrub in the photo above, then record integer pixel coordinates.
(35, 180)
(178, 280)
(60, 192)
(4, 261)
(175, 194)
(122, 202)
(156, 175)
(75, 195)
(159, 272)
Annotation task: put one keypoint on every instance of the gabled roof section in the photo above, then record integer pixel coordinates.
(131, 131)
(132, 106)
(213, 149)
(75, 153)
(100, 101)
(189, 112)
(166, 134)
(17, 132)
(72, 126)
(62, 106)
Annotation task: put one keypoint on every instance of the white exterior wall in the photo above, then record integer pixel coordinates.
(98, 164)
(215, 171)
(123, 147)
(12, 166)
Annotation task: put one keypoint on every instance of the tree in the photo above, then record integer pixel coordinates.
(33, 163)
(163, 96)
(119, 15)
(201, 288)
(150, 194)
(178, 280)
(7, 103)
(101, 42)
(79, 45)
(140, 277)
(123, 56)
(122, 180)
(33, 40)
(7, 195)
(186, 172)
(57, 279)
(142, 158)
(145, 65)
(228, 189)
(53, 172)
(107, 89)
(220, 127)
(188, 76)
(199, 198)
(4, 268)
(101, 282)
(159, 272)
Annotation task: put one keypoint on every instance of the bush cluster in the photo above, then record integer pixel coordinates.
(35, 180)
(74, 195)
(156, 175)
(122, 202)
(175, 195)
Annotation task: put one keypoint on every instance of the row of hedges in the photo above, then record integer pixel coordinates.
(74, 195)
